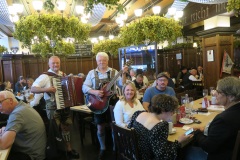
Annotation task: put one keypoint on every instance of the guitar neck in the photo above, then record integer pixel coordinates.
(111, 83)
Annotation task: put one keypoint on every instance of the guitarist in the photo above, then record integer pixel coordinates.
(91, 86)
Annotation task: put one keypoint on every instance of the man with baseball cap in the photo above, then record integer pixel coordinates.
(160, 88)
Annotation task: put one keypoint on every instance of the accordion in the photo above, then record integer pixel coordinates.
(68, 91)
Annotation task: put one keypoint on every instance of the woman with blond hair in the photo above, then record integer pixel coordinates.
(127, 105)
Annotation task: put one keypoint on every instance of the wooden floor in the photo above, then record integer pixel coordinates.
(88, 151)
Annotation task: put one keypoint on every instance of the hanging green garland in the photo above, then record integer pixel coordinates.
(109, 46)
(154, 28)
(55, 27)
(62, 49)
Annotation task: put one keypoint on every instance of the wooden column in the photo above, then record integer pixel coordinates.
(219, 40)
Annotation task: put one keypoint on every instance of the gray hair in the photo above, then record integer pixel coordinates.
(230, 86)
(8, 94)
(103, 54)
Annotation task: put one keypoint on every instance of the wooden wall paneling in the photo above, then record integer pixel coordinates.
(7, 70)
(18, 69)
(1, 71)
(33, 68)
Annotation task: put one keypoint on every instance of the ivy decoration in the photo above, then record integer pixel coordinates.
(48, 6)
(110, 4)
(53, 26)
(61, 49)
(155, 28)
(233, 5)
(2, 49)
(109, 46)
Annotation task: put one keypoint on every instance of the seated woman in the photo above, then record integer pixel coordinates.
(127, 105)
(8, 86)
(152, 129)
(222, 131)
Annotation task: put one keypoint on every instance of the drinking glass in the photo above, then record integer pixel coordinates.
(211, 90)
(189, 107)
(205, 92)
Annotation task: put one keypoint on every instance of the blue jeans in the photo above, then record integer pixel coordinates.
(195, 153)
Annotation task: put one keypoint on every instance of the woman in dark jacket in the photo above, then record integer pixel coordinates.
(223, 130)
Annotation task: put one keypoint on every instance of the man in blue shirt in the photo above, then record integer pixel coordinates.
(160, 88)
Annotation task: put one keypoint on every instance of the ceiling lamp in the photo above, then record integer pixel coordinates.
(156, 10)
(111, 36)
(37, 5)
(61, 5)
(172, 11)
(179, 14)
(79, 9)
(11, 10)
(124, 16)
(138, 12)
(195, 45)
(101, 38)
(18, 8)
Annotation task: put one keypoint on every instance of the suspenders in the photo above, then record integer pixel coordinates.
(98, 81)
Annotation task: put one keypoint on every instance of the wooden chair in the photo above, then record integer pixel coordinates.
(192, 93)
(126, 143)
(236, 150)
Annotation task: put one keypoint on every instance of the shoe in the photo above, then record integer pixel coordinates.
(101, 154)
(73, 154)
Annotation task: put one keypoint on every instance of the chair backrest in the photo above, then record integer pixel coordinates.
(111, 107)
(192, 93)
(236, 150)
(126, 143)
(179, 95)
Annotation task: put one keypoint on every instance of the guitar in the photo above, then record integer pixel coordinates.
(99, 105)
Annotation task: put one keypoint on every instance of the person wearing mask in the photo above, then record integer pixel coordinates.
(160, 88)
(127, 105)
(152, 129)
(24, 133)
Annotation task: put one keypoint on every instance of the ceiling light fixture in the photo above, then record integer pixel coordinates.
(37, 5)
(156, 10)
(138, 12)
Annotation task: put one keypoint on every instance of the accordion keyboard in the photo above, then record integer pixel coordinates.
(58, 94)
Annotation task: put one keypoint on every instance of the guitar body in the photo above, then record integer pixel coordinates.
(99, 105)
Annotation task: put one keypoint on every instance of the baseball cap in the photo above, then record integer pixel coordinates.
(162, 75)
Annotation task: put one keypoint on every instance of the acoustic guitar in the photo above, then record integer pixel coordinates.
(99, 105)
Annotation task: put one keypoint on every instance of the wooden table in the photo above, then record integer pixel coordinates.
(4, 153)
(205, 119)
(82, 111)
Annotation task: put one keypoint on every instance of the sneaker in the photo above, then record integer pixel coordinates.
(101, 155)
(73, 154)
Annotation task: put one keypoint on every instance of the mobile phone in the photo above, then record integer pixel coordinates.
(189, 131)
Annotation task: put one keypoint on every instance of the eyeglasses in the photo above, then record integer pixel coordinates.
(162, 80)
(219, 92)
(4, 100)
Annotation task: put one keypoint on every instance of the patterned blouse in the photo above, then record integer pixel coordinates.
(153, 144)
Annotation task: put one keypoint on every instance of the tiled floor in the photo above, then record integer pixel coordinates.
(88, 151)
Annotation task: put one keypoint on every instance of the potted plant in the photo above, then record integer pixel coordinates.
(151, 28)
(41, 28)
(109, 46)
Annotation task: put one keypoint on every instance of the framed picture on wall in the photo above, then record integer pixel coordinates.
(210, 56)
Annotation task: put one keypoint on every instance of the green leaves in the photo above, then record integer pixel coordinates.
(2, 49)
(110, 46)
(108, 3)
(52, 26)
(155, 28)
(233, 5)
(62, 49)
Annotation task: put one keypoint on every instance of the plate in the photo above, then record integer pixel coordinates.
(186, 121)
(173, 131)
